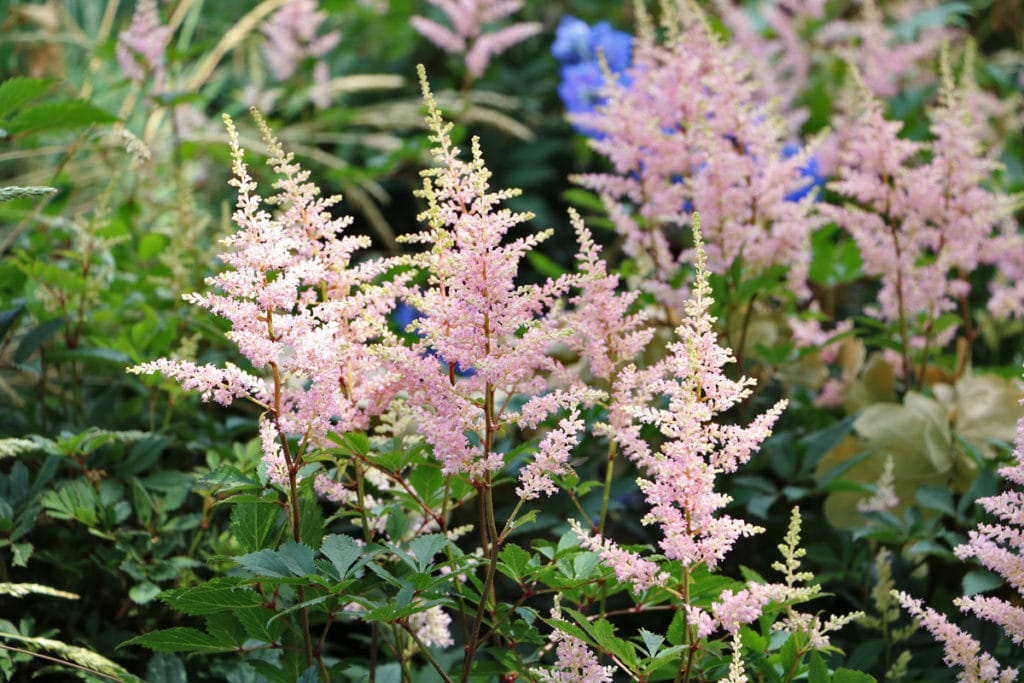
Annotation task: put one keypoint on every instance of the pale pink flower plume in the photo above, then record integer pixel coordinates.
(141, 49)
(961, 650)
(471, 34)
(775, 49)
(923, 226)
(292, 37)
(629, 567)
(477, 322)
(869, 42)
(719, 154)
(680, 396)
(606, 333)
(301, 311)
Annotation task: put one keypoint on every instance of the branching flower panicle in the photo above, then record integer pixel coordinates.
(476, 318)
(300, 311)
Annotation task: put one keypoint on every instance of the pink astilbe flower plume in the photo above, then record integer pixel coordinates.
(476, 318)
(292, 37)
(141, 49)
(469, 34)
(680, 396)
(301, 312)
(685, 131)
(923, 227)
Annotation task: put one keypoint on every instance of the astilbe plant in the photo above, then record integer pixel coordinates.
(924, 220)
(684, 131)
(682, 396)
(302, 313)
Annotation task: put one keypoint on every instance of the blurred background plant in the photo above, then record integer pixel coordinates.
(109, 125)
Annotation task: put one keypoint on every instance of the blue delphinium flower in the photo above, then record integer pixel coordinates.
(577, 46)
(811, 169)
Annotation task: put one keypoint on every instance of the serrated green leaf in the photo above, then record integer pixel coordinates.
(258, 624)
(179, 639)
(264, 563)
(19, 91)
(57, 116)
(343, 552)
(298, 558)
(516, 559)
(72, 653)
(652, 642)
(817, 672)
(254, 524)
(423, 549)
(225, 478)
(216, 595)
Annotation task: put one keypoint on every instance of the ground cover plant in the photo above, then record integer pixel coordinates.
(551, 342)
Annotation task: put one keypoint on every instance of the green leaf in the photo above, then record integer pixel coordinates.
(179, 639)
(545, 265)
(254, 524)
(298, 558)
(19, 91)
(515, 559)
(56, 116)
(652, 641)
(935, 498)
(423, 549)
(94, 354)
(143, 592)
(216, 595)
(342, 551)
(225, 478)
(676, 633)
(817, 672)
(980, 581)
(20, 590)
(311, 521)
(36, 337)
(7, 318)
(356, 443)
(264, 563)
(259, 623)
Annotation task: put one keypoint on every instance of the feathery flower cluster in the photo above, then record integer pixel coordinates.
(689, 389)
(886, 61)
(924, 227)
(141, 48)
(292, 38)
(474, 316)
(721, 154)
(780, 60)
(300, 311)
(605, 333)
(580, 49)
(961, 650)
(471, 37)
